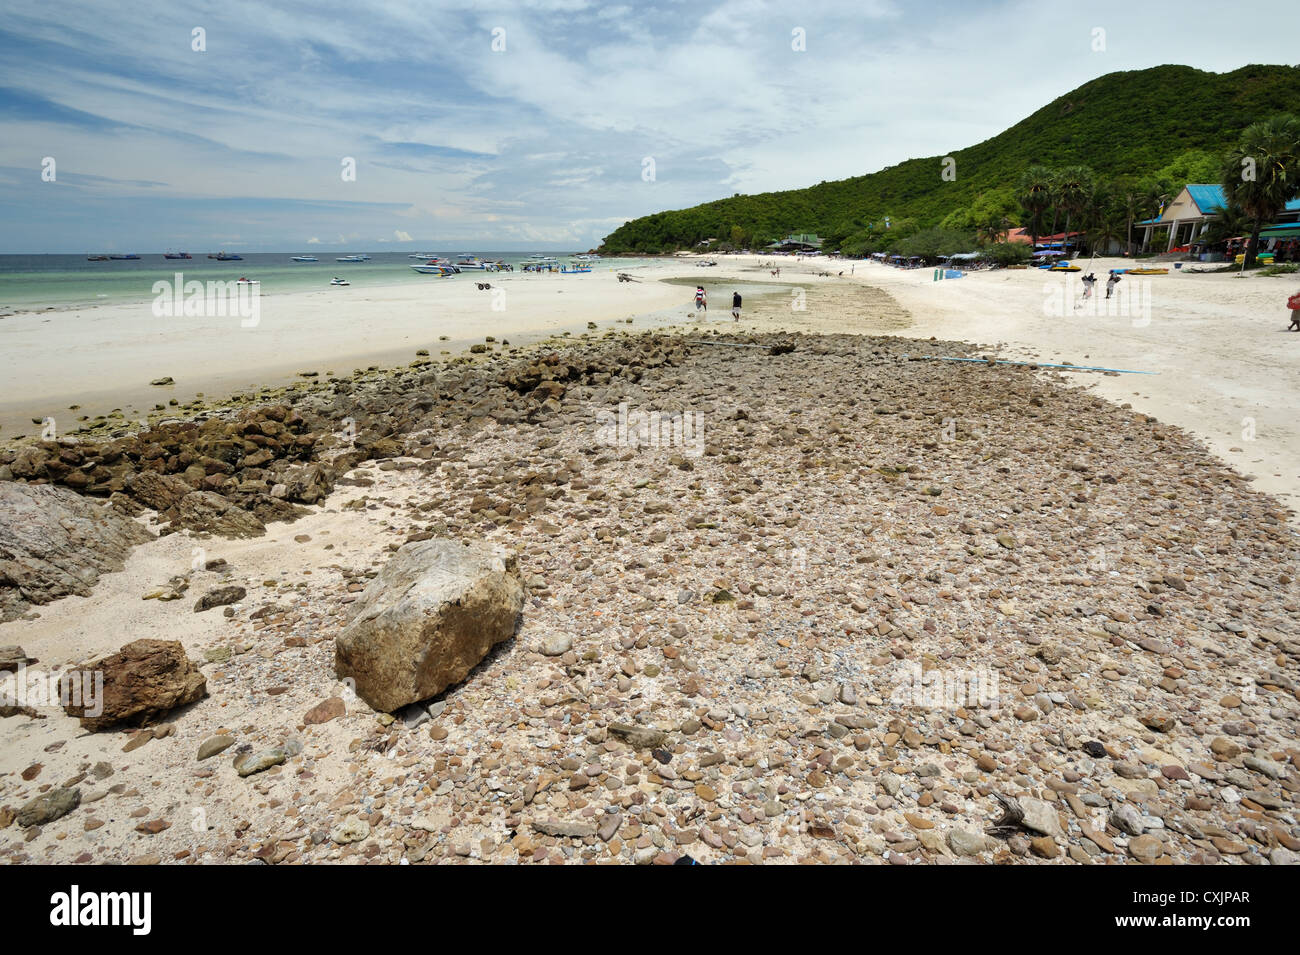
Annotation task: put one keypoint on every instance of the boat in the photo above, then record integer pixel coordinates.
(540, 259)
(124, 258)
(425, 256)
(338, 281)
(433, 267)
(247, 281)
(304, 258)
(226, 257)
(575, 267)
(177, 255)
(353, 258)
(1148, 271)
(467, 262)
(587, 257)
(1064, 267)
(96, 258)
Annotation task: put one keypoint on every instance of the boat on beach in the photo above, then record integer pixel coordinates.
(1151, 271)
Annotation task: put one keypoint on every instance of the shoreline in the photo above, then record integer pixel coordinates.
(1195, 323)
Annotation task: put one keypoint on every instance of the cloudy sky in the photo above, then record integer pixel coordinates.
(517, 125)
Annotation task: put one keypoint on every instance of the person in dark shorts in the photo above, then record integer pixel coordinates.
(700, 301)
(735, 305)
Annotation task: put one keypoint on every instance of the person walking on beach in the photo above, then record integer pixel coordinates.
(735, 305)
(1111, 283)
(700, 302)
(1293, 303)
(1089, 281)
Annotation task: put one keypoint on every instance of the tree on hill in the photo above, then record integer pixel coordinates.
(1035, 196)
(1262, 173)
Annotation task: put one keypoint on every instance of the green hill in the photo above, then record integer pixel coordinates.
(1168, 125)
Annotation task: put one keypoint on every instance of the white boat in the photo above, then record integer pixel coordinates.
(304, 258)
(338, 281)
(542, 259)
(473, 263)
(436, 266)
(586, 257)
(353, 258)
(424, 256)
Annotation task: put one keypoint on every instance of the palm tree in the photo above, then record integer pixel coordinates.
(1034, 194)
(1262, 173)
(1230, 222)
(1106, 227)
(1135, 205)
(1075, 188)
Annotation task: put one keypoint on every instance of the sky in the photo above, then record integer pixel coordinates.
(392, 125)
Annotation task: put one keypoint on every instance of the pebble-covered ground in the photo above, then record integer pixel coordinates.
(886, 610)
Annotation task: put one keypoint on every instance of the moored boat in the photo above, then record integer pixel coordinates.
(226, 257)
(304, 258)
(353, 258)
(338, 281)
(177, 255)
(124, 258)
(96, 258)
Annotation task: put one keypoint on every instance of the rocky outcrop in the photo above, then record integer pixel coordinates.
(54, 542)
(214, 514)
(429, 617)
(140, 684)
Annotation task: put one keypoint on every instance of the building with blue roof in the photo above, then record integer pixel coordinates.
(1193, 209)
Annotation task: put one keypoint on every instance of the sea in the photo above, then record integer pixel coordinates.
(34, 282)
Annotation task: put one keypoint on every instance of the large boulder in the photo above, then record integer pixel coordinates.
(140, 683)
(208, 512)
(159, 491)
(54, 542)
(429, 617)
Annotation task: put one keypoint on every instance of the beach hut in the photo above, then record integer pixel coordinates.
(1191, 212)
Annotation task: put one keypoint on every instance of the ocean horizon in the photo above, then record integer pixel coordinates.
(68, 281)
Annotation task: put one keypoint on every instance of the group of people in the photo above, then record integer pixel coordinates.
(702, 302)
(1090, 280)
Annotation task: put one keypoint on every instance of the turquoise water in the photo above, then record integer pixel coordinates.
(30, 282)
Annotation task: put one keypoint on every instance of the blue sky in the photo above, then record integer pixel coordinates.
(541, 144)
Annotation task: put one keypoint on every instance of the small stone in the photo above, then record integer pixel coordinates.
(214, 745)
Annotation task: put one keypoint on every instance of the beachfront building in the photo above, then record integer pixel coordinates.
(803, 242)
(1192, 210)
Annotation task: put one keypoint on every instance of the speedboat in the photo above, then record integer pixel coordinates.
(177, 255)
(574, 267)
(247, 281)
(124, 257)
(473, 263)
(353, 258)
(421, 255)
(338, 281)
(226, 257)
(96, 258)
(304, 258)
(435, 267)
